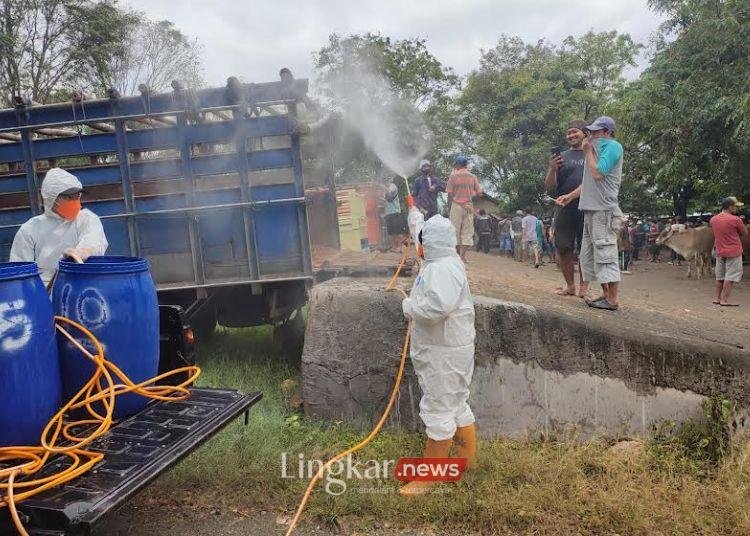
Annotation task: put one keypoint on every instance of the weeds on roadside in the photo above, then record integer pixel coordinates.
(698, 446)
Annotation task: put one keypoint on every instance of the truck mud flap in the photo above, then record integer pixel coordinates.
(137, 450)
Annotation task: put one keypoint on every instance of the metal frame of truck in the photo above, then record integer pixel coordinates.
(207, 185)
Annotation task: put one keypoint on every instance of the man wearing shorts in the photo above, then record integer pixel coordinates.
(599, 200)
(564, 175)
(728, 228)
(462, 188)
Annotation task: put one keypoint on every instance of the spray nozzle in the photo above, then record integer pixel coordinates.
(409, 201)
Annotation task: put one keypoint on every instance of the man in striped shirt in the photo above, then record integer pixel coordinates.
(462, 188)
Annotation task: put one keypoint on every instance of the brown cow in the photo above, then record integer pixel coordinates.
(694, 244)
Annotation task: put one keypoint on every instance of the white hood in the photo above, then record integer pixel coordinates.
(44, 238)
(56, 182)
(438, 238)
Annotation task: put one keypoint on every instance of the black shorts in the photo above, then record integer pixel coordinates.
(396, 224)
(568, 229)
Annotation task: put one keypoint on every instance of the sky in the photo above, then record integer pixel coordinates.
(253, 39)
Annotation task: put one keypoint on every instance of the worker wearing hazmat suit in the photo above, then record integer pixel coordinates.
(442, 346)
(63, 230)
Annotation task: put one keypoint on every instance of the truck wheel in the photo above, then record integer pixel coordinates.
(289, 338)
(204, 323)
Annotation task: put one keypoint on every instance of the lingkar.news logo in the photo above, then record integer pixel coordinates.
(347, 469)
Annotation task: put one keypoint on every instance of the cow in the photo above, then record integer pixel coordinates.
(695, 244)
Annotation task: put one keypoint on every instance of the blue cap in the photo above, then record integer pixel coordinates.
(460, 161)
(602, 123)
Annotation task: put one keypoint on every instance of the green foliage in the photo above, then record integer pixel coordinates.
(687, 117)
(49, 48)
(48, 45)
(599, 60)
(373, 80)
(410, 70)
(684, 123)
(520, 100)
(701, 444)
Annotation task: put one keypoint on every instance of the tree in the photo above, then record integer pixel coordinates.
(688, 117)
(380, 88)
(51, 47)
(598, 60)
(511, 112)
(518, 103)
(411, 71)
(153, 53)
(46, 45)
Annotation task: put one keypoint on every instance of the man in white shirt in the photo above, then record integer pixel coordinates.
(529, 238)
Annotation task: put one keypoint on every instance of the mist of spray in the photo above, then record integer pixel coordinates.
(391, 127)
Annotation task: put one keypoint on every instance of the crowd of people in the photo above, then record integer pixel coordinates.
(585, 180)
(584, 226)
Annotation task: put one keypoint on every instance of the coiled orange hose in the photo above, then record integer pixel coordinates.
(100, 388)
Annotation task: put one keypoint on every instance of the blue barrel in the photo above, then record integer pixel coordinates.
(30, 389)
(115, 298)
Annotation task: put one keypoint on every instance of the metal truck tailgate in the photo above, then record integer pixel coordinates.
(137, 450)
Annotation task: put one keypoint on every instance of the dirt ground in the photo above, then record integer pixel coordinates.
(147, 515)
(655, 298)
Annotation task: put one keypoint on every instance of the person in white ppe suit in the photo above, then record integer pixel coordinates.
(65, 229)
(442, 346)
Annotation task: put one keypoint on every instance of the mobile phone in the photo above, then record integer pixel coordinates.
(555, 151)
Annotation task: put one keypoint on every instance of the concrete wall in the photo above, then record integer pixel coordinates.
(535, 369)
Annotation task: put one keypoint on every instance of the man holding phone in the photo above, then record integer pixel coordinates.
(599, 200)
(564, 175)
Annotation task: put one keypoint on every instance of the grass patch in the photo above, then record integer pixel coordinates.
(687, 481)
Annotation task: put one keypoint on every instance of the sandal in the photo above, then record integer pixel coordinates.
(589, 301)
(604, 304)
(729, 304)
(564, 292)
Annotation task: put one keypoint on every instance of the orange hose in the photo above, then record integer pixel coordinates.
(399, 376)
(101, 388)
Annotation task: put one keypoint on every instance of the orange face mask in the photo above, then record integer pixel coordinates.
(69, 208)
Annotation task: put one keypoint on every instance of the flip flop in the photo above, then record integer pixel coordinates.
(589, 302)
(716, 302)
(729, 304)
(564, 292)
(604, 304)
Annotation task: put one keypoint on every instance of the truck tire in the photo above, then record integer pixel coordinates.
(204, 323)
(289, 338)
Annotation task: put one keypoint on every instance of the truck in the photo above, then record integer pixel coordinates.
(208, 186)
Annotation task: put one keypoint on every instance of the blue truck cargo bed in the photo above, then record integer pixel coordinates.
(205, 184)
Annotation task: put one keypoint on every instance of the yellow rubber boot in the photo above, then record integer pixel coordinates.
(433, 449)
(466, 443)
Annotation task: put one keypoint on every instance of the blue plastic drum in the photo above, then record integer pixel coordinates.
(30, 390)
(115, 298)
